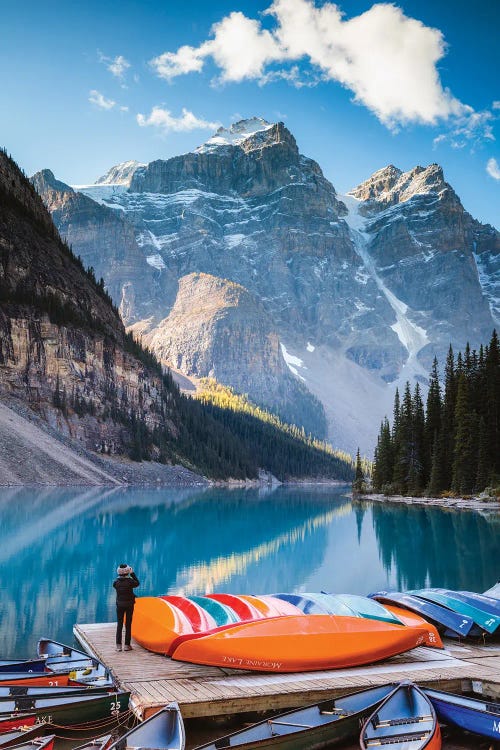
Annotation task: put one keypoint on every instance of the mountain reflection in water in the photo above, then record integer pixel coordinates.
(60, 549)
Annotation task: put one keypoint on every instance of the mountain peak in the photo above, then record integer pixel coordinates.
(44, 180)
(390, 185)
(120, 174)
(235, 134)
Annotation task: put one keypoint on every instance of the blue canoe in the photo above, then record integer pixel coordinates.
(485, 620)
(14, 665)
(480, 717)
(452, 624)
(305, 603)
(368, 608)
(486, 603)
(494, 592)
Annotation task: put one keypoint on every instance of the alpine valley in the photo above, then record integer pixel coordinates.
(239, 261)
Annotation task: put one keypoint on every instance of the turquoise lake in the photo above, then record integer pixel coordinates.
(60, 549)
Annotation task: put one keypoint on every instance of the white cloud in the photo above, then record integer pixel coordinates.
(388, 60)
(496, 105)
(171, 64)
(95, 97)
(117, 66)
(493, 169)
(166, 122)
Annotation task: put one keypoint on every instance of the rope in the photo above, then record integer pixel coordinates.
(93, 726)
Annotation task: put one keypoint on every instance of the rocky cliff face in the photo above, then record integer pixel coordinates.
(61, 341)
(217, 329)
(424, 247)
(360, 289)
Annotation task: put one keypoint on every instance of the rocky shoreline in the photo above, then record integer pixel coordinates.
(455, 503)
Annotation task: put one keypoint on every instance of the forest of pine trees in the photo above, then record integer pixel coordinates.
(452, 444)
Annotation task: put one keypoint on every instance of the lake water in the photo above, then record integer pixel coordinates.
(60, 548)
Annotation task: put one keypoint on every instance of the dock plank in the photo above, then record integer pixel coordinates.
(202, 691)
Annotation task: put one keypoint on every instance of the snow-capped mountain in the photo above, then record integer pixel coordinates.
(357, 291)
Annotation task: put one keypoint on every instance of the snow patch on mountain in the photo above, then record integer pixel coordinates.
(234, 135)
(292, 361)
(412, 336)
(120, 174)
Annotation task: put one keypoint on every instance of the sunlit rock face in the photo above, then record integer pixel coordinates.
(361, 290)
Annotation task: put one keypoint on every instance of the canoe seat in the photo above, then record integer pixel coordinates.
(413, 737)
(18, 690)
(25, 703)
(290, 724)
(401, 722)
(329, 709)
(222, 742)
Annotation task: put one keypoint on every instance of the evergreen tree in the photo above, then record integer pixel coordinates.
(403, 444)
(432, 420)
(359, 474)
(492, 401)
(483, 458)
(465, 452)
(383, 466)
(447, 441)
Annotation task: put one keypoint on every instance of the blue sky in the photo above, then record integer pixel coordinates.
(407, 84)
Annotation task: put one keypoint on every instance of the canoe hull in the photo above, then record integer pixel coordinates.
(466, 717)
(405, 718)
(77, 712)
(412, 620)
(303, 643)
(313, 727)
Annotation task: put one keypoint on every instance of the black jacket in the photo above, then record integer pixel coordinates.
(125, 586)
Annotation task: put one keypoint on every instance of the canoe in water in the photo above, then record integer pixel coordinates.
(302, 643)
(162, 731)
(69, 710)
(26, 665)
(14, 722)
(478, 716)
(406, 720)
(20, 736)
(321, 725)
(100, 743)
(39, 743)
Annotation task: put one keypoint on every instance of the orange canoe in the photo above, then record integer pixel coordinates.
(412, 620)
(157, 623)
(300, 644)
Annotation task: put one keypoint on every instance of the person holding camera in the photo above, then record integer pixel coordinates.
(125, 584)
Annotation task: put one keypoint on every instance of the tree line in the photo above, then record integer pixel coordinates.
(452, 443)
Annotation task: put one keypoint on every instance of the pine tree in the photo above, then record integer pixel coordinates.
(492, 399)
(359, 475)
(403, 446)
(483, 458)
(432, 420)
(465, 452)
(447, 442)
(383, 465)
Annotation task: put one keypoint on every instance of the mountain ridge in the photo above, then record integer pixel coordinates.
(345, 279)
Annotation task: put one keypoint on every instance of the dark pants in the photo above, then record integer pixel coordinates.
(126, 612)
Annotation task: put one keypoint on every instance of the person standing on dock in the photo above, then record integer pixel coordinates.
(125, 584)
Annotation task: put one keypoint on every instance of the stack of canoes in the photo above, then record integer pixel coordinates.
(260, 632)
(63, 689)
(455, 613)
(336, 630)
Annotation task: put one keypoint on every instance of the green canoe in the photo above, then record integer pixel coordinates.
(485, 620)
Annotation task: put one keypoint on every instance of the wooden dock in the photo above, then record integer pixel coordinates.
(154, 680)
